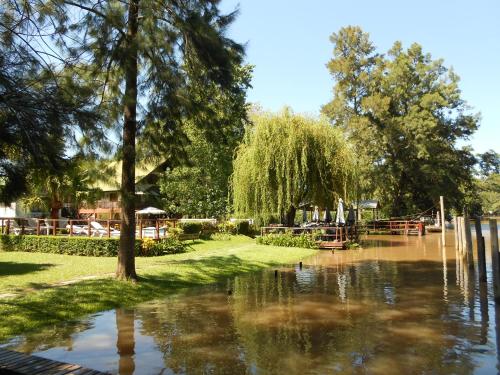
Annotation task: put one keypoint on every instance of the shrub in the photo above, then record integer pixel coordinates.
(243, 227)
(85, 246)
(208, 226)
(164, 246)
(227, 227)
(220, 236)
(175, 232)
(191, 227)
(305, 240)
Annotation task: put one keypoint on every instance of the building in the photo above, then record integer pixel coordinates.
(109, 205)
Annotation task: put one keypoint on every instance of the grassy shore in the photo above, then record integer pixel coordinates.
(41, 298)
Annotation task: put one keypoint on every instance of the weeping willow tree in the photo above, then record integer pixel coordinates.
(286, 160)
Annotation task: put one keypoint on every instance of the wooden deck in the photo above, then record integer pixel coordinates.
(328, 237)
(405, 227)
(23, 364)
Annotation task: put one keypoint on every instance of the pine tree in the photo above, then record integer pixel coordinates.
(142, 58)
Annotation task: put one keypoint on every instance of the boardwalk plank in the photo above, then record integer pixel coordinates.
(12, 362)
(37, 366)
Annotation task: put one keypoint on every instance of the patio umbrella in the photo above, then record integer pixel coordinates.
(351, 217)
(315, 214)
(340, 213)
(304, 215)
(327, 217)
(151, 211)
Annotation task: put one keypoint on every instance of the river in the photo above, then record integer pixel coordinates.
(398, 305)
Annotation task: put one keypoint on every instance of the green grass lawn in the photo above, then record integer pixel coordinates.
(41, 301)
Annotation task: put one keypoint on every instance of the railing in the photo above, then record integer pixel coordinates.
(103, 204)
(324, 233)
(145, 228)
(396, 226)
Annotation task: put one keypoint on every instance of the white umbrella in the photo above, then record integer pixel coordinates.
(315, 214)
(339, 219)
(150, 211)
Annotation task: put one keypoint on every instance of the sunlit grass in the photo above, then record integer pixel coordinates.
(206, 262)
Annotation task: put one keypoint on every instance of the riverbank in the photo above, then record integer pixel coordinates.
(45, 289)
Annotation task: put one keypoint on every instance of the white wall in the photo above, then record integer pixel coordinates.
(8, 211)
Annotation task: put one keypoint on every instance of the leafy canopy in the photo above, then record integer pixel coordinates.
(404, 113)
(287, 159)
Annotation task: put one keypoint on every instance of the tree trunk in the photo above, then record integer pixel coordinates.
(126, 257)
(290, 216)
(398, 204)
(125, 343)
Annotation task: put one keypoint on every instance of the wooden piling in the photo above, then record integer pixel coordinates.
(443, 227)
(455, 231)
(276, 274)
(481, 256)
(468, 242)
(495, 269)
(463, 242)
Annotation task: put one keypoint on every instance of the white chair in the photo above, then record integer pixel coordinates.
(19, 229)
(99, 230)
(78, 230)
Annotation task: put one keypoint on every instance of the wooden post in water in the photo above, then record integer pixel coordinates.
(462, 236)
(468, 239)
(443, 227)
(455, 231)
(481, 256)
(495, 270)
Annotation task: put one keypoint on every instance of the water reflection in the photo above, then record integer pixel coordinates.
(401, 304)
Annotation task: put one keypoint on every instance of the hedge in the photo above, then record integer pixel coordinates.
(84, 246)
(191, 227)
(304, 240)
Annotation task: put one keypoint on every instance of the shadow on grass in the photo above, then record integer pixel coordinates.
(15, 268)
(67, 303)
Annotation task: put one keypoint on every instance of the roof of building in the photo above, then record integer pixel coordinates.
(369, 203)
(112, 180)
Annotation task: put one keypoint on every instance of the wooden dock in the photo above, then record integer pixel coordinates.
(23, 364)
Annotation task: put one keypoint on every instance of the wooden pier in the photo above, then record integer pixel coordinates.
(328, 237)
(23, 364)
(405, 227)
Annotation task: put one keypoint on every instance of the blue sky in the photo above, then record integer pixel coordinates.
(288, 42)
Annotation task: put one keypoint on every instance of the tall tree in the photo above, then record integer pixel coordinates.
(43, 110)
(404, 113)
(489, 163)
(142, 56)
(288, 159)
(199, 186)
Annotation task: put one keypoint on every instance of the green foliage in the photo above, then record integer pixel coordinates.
(84, 246)
(489, 163)
(287, 159)
(221, 236)
(243, 227)
(191, 227)
(227, 227)
(164, 246)
(42, 111)
(304, 240)
(175, 232)
(199, 187)
(404, 113)
(489, 193)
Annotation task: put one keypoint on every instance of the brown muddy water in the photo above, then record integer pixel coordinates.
(399, 305)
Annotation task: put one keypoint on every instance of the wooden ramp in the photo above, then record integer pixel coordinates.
(330, 245)
(19, 363)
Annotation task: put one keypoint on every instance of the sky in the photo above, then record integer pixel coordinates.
(288, 42)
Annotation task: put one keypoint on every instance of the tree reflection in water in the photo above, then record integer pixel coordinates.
(380, 310)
